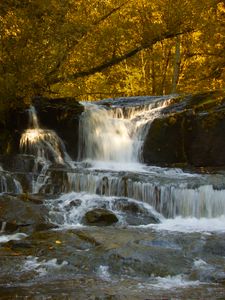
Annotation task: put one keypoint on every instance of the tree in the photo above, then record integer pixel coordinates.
(106, 48)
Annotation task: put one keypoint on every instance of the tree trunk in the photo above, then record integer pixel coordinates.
(176, 68)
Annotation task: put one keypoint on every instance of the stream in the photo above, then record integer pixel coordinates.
(163, 236)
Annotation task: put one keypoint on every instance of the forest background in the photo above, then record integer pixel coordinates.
(91, 49)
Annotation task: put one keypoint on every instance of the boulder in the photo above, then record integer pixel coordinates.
(189, 133)
(100, 217)
(19, 213)
(135, 213)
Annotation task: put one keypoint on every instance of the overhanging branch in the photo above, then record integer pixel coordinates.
(50, 76)
(116, 60)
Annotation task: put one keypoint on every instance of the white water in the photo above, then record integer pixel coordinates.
(45, 144)
(111, 139)
(171, 198)
(189, 225)
(169, 282)
(114, 136)
(43, 267)
(47, 148)
(12, 237)
(102, 137)
(69, 209)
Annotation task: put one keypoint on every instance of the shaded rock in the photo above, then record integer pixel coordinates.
(20, 214)
(164, 143)
(7, 227)
(192, 135)
(134, 213)
(61, 115)
(100, 216)
(12, 126)
(21, 163)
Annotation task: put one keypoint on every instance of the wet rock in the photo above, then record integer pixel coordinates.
(7, 227)
(73, 203)
(100, 217)
(37, 198)
(85, 236)
(134, 213)
(57, 182)
(44, 226)
(20, 214)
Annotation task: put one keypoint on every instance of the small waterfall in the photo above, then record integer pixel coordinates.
(33, 119)
(170, 200)
(45, 145)
(185, 197)
(9, 184)
(116, 134)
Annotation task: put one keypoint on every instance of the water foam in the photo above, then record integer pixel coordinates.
(43, 267)
(190, 225)
(12, 237)
(169, 282)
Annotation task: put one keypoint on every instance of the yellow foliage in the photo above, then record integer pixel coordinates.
(74, 48)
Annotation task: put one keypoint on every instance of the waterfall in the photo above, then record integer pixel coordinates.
(8, 183)
(171, 199)
(116, 134)
(45, 145)
(33, 119)
(103, 137)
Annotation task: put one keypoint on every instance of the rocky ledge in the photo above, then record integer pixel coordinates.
(190, 132)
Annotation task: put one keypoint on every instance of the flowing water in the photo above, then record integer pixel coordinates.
(169, 238)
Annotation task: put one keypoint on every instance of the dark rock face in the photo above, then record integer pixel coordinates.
(14, 124)
(22, 213)
(100, 217)
(61, 115)
(192, 136)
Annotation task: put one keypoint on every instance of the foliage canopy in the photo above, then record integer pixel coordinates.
(92, 49)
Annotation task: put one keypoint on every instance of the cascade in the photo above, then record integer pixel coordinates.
(171, 198)
(45, 145)
(8, 183)
(116, 134)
